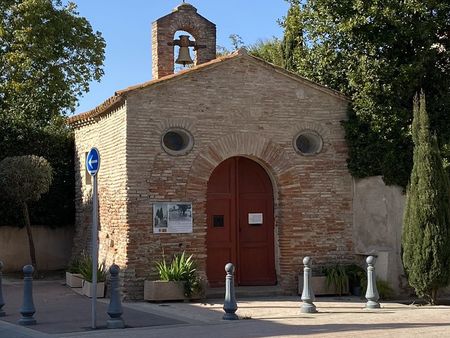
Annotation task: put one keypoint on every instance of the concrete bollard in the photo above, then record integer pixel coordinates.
(27, 310)
(307, 293)
(372, 295)
(229, 305)
(2, 302)
(115, 303)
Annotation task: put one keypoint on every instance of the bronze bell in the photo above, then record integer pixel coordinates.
(184, 57)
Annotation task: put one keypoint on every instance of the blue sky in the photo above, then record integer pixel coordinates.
(125, 26)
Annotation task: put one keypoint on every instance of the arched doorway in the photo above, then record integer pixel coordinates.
(240, 223)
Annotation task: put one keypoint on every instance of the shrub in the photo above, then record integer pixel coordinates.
(384, 289)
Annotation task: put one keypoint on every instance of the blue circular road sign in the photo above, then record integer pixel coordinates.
(93, 161)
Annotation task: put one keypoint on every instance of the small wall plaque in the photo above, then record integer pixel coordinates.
(255, 218)
(172, 217)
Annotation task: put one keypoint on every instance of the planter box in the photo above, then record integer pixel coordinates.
(166, 290)
(74, 280)
(87, 289)
(163, 290)
(319, 286)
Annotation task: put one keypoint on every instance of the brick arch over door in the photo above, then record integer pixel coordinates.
(270, 155)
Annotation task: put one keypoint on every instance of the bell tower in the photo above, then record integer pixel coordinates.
(183, 18)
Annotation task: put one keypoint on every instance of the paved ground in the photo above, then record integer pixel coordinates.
(275, 317)
(60, 310)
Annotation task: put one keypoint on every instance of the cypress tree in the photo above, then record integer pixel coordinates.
(426, 230)
(292, 43)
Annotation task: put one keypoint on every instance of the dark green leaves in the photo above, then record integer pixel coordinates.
(426, 223)
(48, 56)
(379, 53)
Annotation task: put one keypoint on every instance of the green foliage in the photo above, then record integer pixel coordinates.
(55, 143)
(426, 222)
(74, 266)
(379, 54)
(181, 268)
(336, 277)
(292, 45)
(85, 267)
(25, 178)
(384, 289)
(357, 276)
(268, 50)
(48, 56)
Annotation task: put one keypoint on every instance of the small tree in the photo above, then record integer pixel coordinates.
(426, 223)
(24, 179)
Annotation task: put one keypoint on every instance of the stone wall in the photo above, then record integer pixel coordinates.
(377, 219)
(242, 108)
(53, 247)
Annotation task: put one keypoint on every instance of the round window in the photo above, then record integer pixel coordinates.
(177, 141)
(308, 142)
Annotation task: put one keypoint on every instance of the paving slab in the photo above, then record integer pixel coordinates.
(61, 310)
(338, 317)
(281, 317)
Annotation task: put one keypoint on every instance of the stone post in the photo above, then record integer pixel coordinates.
(27, 310)
(229, 305)
(2, 302)
(307, 293)
(115, 304)
(372, 292)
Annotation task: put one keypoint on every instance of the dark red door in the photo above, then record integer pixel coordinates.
(240, 223)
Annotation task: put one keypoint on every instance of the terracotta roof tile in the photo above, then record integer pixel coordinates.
(106, 107)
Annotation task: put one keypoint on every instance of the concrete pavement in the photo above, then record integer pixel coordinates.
(262, 317)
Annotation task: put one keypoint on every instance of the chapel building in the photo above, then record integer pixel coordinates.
(232, 160)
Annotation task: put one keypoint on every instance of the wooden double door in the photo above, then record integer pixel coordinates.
(240, 223)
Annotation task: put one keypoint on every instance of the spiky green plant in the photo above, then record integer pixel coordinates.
(181, 268)
(336, 277)
(86, 268)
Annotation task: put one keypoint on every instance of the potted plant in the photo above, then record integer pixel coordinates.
(336, 279)
(357, 279)
(86, 271)
(177, 280)
(73, 277)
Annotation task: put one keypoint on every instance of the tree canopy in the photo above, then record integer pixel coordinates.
(379, 53)
(25, 179)
(48, 56)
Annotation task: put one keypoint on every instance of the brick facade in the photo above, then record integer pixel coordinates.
(234, 106)
(238, 107)
(108, 134)
(183, 18)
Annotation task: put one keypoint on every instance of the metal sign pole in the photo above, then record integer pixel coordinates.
(94, 251)
(93, 166)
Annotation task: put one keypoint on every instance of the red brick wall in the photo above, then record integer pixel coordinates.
(238, 108)
(108, 134)
(183, 18)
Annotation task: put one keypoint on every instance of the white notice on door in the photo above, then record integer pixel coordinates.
(255, 218)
